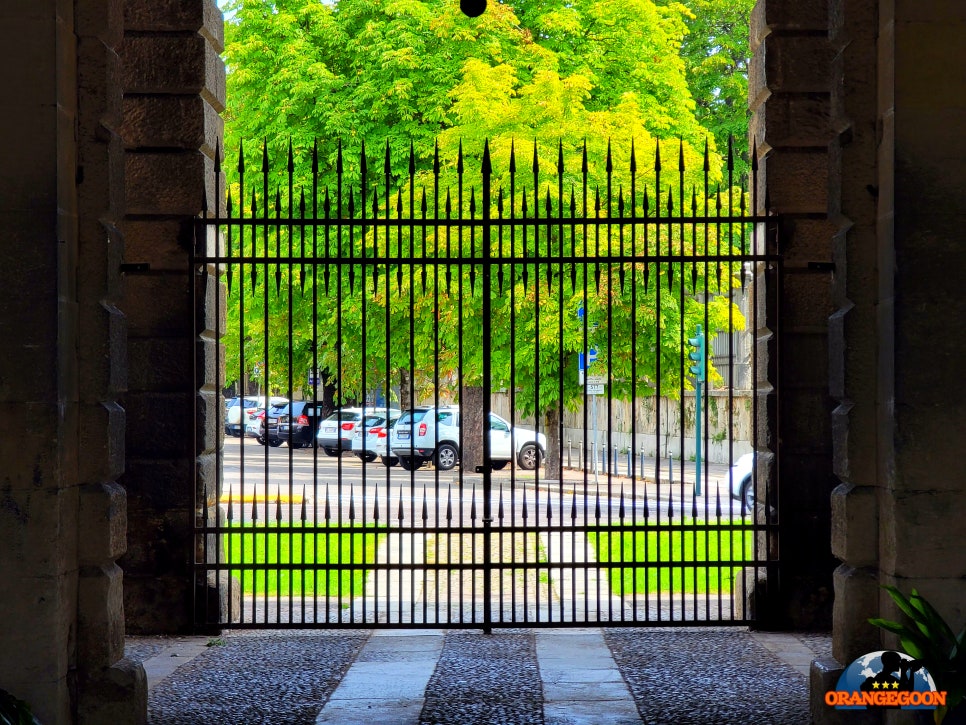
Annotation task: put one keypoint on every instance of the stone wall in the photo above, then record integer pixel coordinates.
(790, 87)
(898, 165)
(62, 512)
(173, 92)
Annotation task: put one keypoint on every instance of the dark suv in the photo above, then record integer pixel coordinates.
(294, 423)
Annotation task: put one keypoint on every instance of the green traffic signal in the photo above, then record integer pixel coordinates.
(697, 355)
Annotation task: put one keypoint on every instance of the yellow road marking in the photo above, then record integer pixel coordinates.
(261, 498)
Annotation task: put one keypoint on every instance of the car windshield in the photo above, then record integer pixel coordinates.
(347, 416)
(413, 416)
(278, 409)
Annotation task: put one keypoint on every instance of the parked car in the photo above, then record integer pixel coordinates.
(238, 410)
(253, 426)
(426, 433)
(268, 425)
(336, 431)
(371, 438)
(294, 423)
(741, 481)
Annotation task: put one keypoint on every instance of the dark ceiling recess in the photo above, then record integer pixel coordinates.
(473, 8)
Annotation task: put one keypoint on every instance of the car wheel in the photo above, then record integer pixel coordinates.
(274, 442)
(370, 457)
(410, 464)
(261, 440)
(331, 451)
(498, 465)
(386, 461)
(446, 456)
(529, 457)
(747, 496)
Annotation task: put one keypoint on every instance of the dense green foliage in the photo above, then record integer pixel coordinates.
(534, 80)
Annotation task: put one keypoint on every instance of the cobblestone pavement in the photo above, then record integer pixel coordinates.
(694, 676)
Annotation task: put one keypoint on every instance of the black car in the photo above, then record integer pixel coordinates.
(294, 423)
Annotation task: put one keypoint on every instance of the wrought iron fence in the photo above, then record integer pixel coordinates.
(572, 285)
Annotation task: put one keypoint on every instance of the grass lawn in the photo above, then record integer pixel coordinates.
(682, 562)
(263, 546)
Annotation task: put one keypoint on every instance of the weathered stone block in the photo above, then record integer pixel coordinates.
(799, 181)
(798, 120)
(916, 526)
(798, 63)
(157, 306)
(159, 485)
(37, 468)
(158, 424)
(101, 20)
(164, 243)
(161, 364)
(117, 694)
(174, 64)
(158, 604)
(855, 528)
(100, 616)
(100, 248)
(806, 418)
(101, 437)
(854, 432)
(802, 361)
(210, 421)
(178, 122)
(856, 599)
(99, 79)
(167, 183)
(796, 16)
(102, 523)
(44, 614)
(176, 15)
(101, 350)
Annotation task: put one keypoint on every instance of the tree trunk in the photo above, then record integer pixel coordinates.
(405, 390)
(551, 428)
(471, 427)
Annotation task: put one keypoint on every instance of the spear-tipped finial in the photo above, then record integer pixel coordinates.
(487, 166)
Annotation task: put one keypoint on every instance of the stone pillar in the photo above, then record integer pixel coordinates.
(922, 175)
(790, 97)
(62, 514)
(174, 90)
(896, 352)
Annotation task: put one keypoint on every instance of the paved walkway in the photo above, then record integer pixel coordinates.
(578, 676)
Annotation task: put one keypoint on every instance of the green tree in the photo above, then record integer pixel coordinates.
(716, 53)
(536, 83)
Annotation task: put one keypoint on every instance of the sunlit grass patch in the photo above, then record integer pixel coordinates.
(269, 545)
(684, 561)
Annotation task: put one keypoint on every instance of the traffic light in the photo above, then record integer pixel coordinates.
(697, 355)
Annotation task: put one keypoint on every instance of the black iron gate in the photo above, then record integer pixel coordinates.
(610, 323)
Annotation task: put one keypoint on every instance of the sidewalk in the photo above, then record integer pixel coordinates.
(583, 676)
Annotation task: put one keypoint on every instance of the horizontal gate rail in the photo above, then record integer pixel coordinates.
(567, 297)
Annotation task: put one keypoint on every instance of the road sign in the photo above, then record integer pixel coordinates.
(596, 379)
(591, 358)
(597, 389)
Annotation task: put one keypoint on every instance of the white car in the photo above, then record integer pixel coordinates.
(426, 433)
(741, 481)
(336, 432)
(371, 438)
(238, 411)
